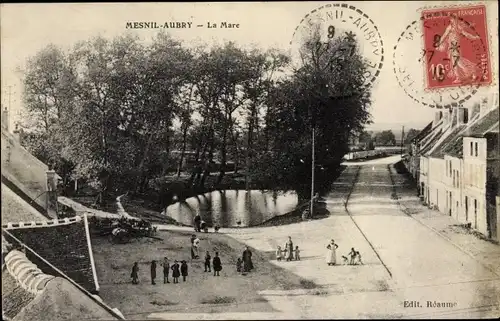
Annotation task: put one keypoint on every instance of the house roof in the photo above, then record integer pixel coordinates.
(15, 208)
(440, 150)
(432, 140)
(455, 148)
(480, 127)
(30, 294)
(423, 132)
(494, 129)
(14, 296)
(63, 243)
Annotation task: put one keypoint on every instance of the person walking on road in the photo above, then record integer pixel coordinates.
(153, 272)
(175, 271)
(184, 270)
(166, 270)
(331, 254)
(196, 247)
(135, 273)
(207, 262)
(247, 260)
(197, 222)
(289, 249)
(217, 264)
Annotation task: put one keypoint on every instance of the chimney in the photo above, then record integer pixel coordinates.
(476, 108)
(483, 109)
(463, 116)
(447, 116)
(454, 116)
(437, 117)
(5, 119)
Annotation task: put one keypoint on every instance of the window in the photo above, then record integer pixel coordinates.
(453, 178)
(449, 165)
(471, 148)
(458, 179)
(475, 206)
(476, 148)
(466, 208)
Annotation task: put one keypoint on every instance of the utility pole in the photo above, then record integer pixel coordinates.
(312, 172)
(402, 139)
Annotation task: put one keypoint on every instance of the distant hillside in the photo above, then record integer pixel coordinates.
(396, 128)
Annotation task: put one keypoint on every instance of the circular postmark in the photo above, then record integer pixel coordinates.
(441, 59)
(346, 20)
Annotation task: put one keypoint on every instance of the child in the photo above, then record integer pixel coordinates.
(352, 254)
(175, 271)
(297, 253)
(278, 254)
(207, 262)
(166, 270)
(184, 270)
(359, 257)
(217, 264)
(239, 263)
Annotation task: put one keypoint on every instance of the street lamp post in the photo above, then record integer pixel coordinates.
(312, 172)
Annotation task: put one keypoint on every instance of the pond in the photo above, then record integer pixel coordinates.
(230, 207)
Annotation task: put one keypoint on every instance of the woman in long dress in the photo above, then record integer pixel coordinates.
(331, 254)
(289, 249)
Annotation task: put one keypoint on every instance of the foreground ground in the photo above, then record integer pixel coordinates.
(202, 292)
(411, 254)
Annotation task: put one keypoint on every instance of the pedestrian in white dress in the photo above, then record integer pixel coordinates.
(331, 254)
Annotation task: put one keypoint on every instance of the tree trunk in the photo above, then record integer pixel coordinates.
(141, 164)
(248, 152)
(183, 150)
(236, 152)
(208, 162)
(223, 155)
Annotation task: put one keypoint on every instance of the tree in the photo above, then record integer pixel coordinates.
(262, 67)
(328, 95)
(412, 133)
(385, 137)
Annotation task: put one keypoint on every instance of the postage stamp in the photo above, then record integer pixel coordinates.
(456, 47)
(438, 66)
(344, 18)
(180, 161)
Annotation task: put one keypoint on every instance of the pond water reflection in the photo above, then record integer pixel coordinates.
(228, 207)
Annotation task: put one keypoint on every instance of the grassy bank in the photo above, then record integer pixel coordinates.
(202, 293)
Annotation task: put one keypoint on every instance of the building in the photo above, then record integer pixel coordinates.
(47, 267)
(455, 163)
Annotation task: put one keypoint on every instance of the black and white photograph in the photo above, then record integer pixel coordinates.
(250, 160)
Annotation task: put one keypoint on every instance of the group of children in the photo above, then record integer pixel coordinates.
(354, 257)
(216, 263)
(280, 254)
(177, 271)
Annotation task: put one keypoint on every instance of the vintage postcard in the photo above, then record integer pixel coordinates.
(250, 160)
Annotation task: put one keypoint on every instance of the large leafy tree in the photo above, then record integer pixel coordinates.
(326, 93)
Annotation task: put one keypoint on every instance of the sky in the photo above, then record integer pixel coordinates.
(27, 28)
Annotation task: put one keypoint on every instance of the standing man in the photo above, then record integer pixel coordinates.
(166, 270)
(193, 237)
(217, 264)
(153, 272)
(247, 260)
(196, 245)
(135, 273)
(197, 222)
